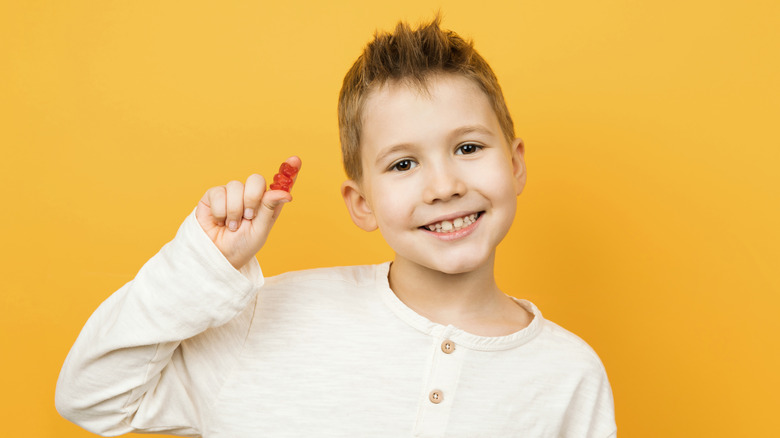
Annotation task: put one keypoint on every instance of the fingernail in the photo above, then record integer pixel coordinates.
(233, 225)
(249, 213)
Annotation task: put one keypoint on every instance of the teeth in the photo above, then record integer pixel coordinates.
(454, 225)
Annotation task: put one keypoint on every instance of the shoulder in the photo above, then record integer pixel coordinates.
(326, 283)
(358, 276)
(580, 378)
(569, 351)
(566, 340)
(319, 300)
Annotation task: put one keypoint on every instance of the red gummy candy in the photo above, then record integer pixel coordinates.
(288, 170)
(277, 186)
(283, 180)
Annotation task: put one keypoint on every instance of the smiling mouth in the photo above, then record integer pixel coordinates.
(456, 224)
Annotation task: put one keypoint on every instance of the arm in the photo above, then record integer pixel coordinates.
(155, 353)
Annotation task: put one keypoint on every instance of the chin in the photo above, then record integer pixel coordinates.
(456, 268)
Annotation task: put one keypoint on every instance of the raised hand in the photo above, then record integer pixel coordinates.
(238, 217)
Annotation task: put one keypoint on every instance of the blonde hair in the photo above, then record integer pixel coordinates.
(411, 57)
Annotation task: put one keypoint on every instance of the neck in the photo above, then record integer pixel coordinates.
(465, 299)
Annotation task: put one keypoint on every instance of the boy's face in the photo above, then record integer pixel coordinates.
(439, 179)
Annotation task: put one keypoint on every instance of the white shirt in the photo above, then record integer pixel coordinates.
(194, 347)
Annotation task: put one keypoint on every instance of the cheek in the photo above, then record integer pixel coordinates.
(499, 182)
(391, 206)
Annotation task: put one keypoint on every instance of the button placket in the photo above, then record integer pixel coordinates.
(441, 385)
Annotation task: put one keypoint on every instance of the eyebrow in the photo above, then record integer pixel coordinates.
(459, 132)
(463, 130)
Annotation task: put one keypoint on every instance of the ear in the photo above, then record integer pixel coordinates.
(358, 206)
(518, 164)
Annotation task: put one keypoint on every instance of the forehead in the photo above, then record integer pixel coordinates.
(400, 113)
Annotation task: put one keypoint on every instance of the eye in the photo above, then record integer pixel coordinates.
(403, 165)
(468, 148)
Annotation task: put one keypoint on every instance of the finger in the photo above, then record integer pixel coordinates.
(234, 204)
(215, 199)
(296, 162)
(270, 207)
(253, 193)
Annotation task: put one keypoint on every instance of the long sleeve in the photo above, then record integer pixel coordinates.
(155, 353)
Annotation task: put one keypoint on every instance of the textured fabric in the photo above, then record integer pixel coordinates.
(193, 347)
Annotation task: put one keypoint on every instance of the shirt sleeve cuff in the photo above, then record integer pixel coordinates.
(191, 235)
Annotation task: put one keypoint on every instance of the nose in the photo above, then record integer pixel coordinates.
(443, 182)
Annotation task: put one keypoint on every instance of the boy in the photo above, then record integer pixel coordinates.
(199, 344)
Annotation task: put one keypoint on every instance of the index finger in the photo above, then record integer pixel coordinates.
(285, 178)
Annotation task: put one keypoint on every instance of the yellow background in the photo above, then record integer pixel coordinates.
(649, 225)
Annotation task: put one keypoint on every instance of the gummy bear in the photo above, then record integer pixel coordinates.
(283, 180)
(288, 170)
